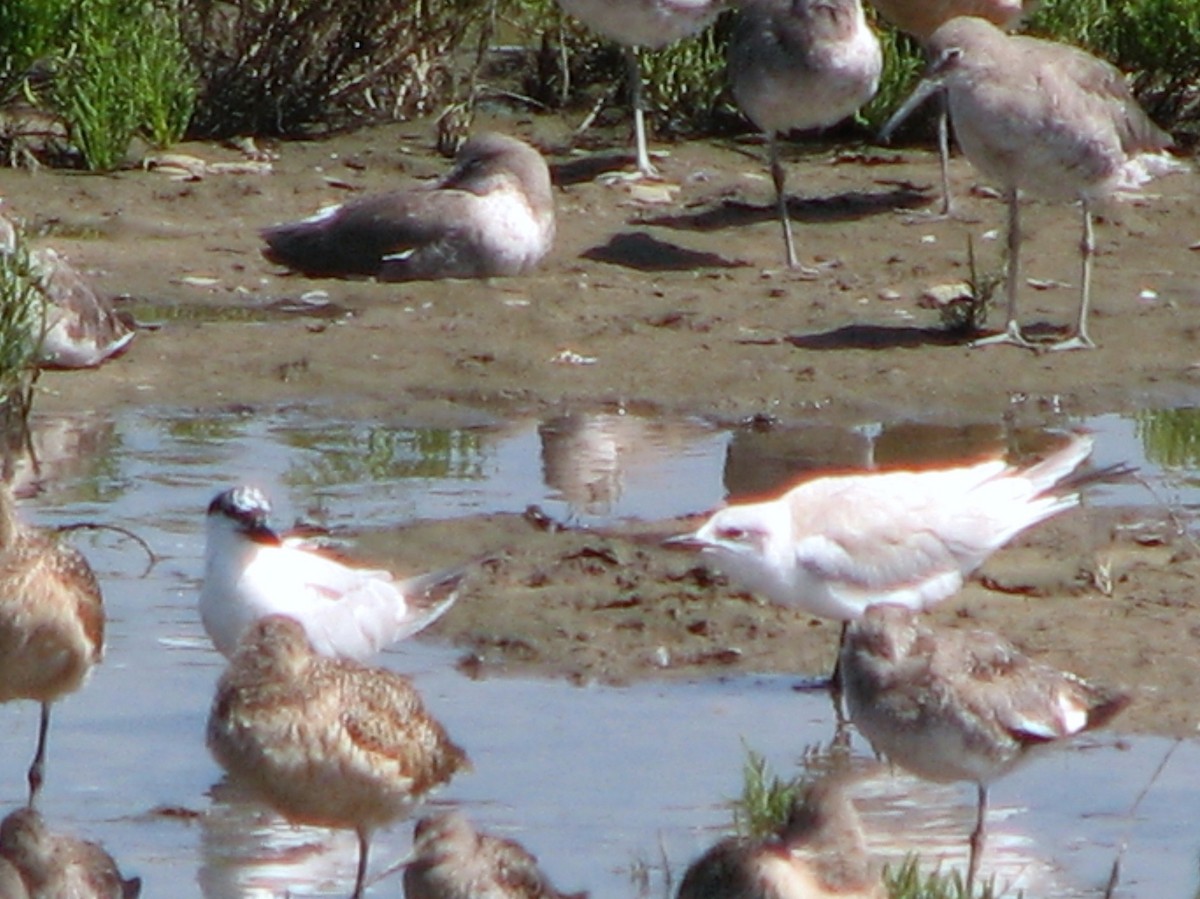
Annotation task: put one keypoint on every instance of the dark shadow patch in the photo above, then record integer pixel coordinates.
(876, 337)
(588, 168)
(645, 253)
(850, 206)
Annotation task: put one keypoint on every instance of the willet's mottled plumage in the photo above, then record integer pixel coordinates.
(800, 64)
(954, 705)
(453, 860)
(493, 214)
(251, 572)
(835, 545)
(643, 23)
(1045, 117)
(819, 853)
(327, 742)
(58, 866)
(51, 621)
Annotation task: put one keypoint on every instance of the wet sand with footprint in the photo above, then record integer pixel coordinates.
(669, 299)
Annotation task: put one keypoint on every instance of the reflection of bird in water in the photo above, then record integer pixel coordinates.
(834, 545)
(81, 329)
(959, 705)
(589, 457)
(798, 65)
(325, 741)
(921, 18)
(819, 853)
(56, 866)
(1048, 118)
(452, 860)
(643, 23)
(493, 214)
(347, 612)
(51, 621)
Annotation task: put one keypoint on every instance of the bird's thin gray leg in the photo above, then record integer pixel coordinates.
(1012, 331)
(37, 771)
(360, 878)
(779, 179)
(944, 151)
(645, 166)
(976, 844)
(1087, 252)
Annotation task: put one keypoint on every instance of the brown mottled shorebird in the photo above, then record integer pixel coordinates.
(452, 860)
(833, 546)
(51, 621)
(953, 705)
(493, 214)
(1045, 117)
(57, 866)
(652, 24)
(819, 853)
(800, 64)
(921, 18)
(326, 742)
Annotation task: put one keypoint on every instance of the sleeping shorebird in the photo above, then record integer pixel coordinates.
(452, 860)
(921, 18)
(81, 329)
(954, 705)
(800, 64)
(251, 572)
(819, 853)
(325, 742)
(835, 545)
(1045, 117)
(493, 214)
(652, 24)
(51, 621)
(56, 865)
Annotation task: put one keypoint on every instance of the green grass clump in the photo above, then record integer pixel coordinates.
(28, 32)
(908, 882)
(124, 71)
(22, 326)
(766, 798)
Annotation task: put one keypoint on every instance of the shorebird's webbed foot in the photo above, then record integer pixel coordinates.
(1010, 335)
(1078, 342)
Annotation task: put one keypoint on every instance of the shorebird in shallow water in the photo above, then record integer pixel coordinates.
(493, 214)
(643, 23)
(819, 853)
(954, 705)
(452, 860)
(326, 742)
(51, 621)
(251, 572)
(57, 866)
(800, 64)
(835, 545)
(1048, 118)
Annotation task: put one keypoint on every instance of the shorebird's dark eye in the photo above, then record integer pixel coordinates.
(734, 534)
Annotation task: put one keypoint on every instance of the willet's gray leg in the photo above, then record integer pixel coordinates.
(1087, 251)
(645, 166)
(1012, 331)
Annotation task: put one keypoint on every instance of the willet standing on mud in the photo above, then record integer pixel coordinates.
(800, 64)
(652, 24)
(1045, 117)
(921, 18)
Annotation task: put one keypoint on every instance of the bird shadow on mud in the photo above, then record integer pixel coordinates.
(872, 337)
(646, 253)
(732, 212)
